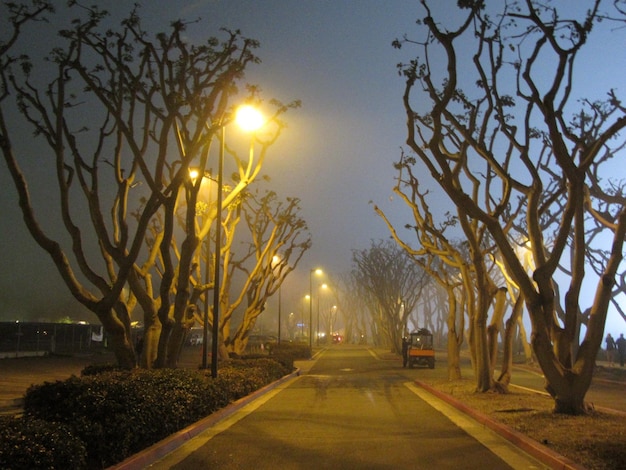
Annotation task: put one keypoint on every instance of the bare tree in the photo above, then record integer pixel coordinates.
(275, 239)
(497, 123)
(153, 108)
(352, 309)
(460, 266)
(391, 283)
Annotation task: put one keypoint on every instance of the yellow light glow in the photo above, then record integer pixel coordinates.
(193, 173)
(249, 118)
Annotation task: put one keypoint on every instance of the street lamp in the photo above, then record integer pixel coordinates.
(194, 174)
(303, 311)
(205, 329)
(322, 286)
(276, 262)
(249, 120)
(318, 272)
(331, 320)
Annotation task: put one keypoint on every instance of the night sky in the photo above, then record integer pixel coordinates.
(336, 155)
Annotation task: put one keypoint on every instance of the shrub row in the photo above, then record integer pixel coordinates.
(103, 418)
(290, 352)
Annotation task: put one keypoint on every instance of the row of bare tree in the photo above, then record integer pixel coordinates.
(497, 124)
(125, 118)
(528, 171)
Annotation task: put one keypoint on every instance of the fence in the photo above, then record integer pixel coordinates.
(19, 339)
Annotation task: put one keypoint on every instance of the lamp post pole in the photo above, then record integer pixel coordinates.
(319, 295)
(248, 119)
(317, 333)
(310, 307)
(193, 174)
(316, 271)
(303, 315)
(279, 302)
(218, 256)
(205, 330)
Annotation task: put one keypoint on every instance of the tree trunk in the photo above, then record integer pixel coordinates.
(509, 334)
(178, 336)
(166, 331)
(484, 377)
(454, 339)
(151, 336)
(119, 339)
(528, 351)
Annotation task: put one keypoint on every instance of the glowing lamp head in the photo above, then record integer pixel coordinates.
(249, 118)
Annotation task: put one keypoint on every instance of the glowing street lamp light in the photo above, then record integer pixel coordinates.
(249, 120)
(319, 272)
(194, 173)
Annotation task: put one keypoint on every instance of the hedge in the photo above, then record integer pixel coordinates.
(109, 415)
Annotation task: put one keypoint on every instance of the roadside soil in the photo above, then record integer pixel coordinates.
(596, 441)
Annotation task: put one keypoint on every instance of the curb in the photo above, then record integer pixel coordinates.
(160, 449)
(531, 447)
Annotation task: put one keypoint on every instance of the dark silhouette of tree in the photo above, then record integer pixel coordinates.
(124, 117)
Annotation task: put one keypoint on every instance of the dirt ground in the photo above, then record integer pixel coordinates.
(596, 441)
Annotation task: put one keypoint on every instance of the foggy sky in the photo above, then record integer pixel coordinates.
(336, 155)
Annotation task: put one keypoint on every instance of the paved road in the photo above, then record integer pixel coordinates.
(350, 410)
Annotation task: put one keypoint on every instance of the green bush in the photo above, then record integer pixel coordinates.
(26, 444)
(287, 353)
(118, 413)
(95, 369)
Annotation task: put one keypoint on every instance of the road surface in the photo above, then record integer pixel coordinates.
(351, 410)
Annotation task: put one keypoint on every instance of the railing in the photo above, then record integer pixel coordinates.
(19, 339)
